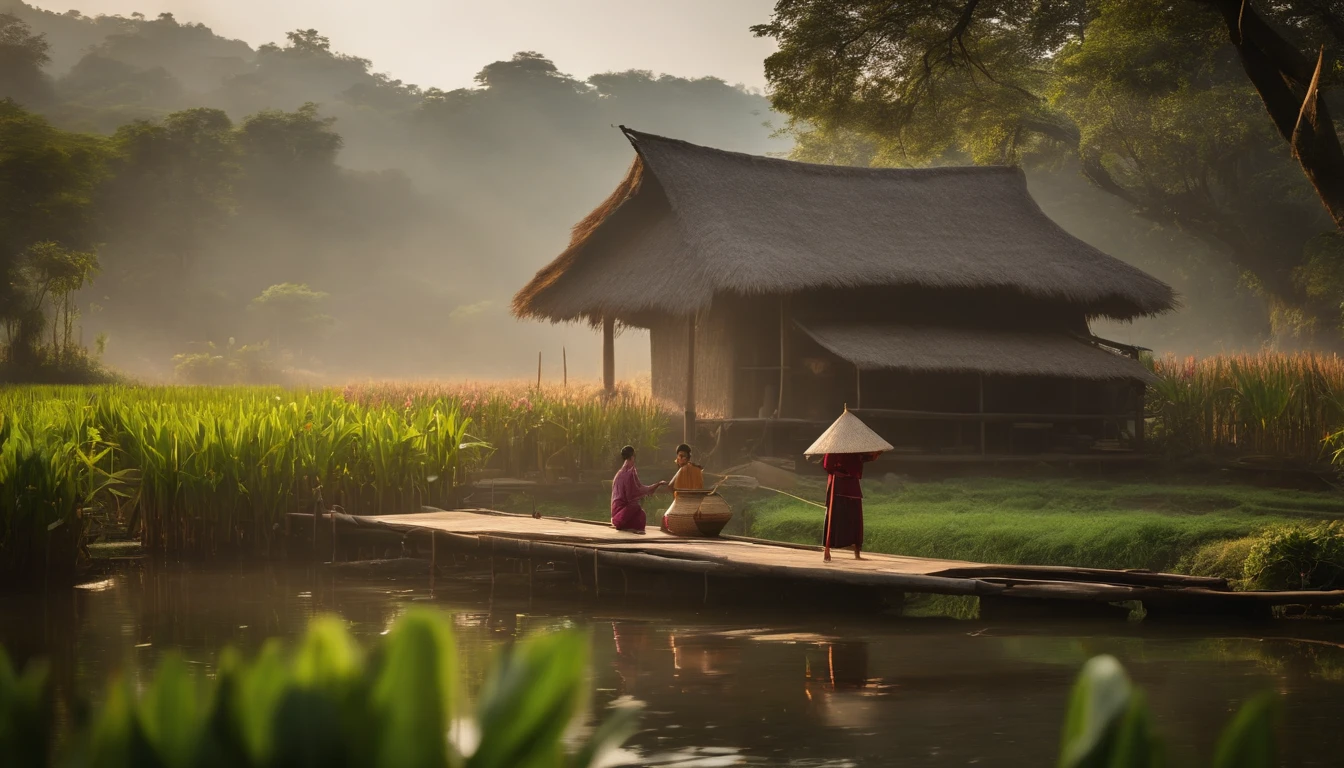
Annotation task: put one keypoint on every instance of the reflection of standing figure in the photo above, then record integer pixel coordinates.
(848, 665)
(631, 640)
(837, 687)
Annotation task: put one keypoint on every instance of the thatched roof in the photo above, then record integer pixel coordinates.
(967, 350)
(689, 223)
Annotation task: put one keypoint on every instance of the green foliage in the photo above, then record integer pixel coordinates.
(291, 312)
(559, 430)
(22, 57)
(1224, 559)
(25, 713)
(235, 364)
(1109, 726)
(329, 704)
(1282, 405)
(47, 180)
(212, 470)
(1148, 99)
(1298, 557)
(1052, 521)
(225, 178)
(204, 471)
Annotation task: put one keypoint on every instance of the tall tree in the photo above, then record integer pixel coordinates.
(22, 56)
(1149, 97)
(171, 191)
(47, 181)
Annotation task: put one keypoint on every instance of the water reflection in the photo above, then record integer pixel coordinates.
(736, 688)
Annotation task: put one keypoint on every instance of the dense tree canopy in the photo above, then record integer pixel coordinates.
(222, 172)
(200, 173)
(1161, 104)
(22, 56)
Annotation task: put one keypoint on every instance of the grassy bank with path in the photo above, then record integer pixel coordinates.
(1181, 524)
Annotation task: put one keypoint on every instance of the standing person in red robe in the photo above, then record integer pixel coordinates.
(626, 491)
(845, 447)
(844, 501)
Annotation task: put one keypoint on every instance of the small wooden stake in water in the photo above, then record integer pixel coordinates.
(433, 559)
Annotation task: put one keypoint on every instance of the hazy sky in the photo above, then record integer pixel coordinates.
(444, 43)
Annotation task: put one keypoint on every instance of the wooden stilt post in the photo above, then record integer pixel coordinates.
(538, 370)
(609, 354)
(858, 387)
(433, 558)
(688, 428)
(982, 414)
(564, 368)
(783, 357)
(1138, 415)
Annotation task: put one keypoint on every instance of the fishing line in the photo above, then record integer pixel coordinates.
(755, 483)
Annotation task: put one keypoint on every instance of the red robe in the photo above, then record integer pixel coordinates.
(844, 498)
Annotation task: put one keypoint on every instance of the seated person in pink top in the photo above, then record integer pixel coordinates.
(626, 491)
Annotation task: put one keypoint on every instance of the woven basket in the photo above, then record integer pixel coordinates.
(697, 513)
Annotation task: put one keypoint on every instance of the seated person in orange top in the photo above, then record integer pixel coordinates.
(689, 477)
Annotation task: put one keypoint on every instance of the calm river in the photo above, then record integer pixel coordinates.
(733, 688)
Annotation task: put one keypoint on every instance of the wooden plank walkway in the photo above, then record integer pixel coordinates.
(523, 536)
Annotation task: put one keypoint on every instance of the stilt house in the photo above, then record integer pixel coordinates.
(940, 304)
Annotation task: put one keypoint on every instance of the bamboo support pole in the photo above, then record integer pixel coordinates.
(981, 380)
(609, 354)
(783, 357)
(688, 427)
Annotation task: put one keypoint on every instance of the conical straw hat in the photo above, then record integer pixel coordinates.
(848, 435)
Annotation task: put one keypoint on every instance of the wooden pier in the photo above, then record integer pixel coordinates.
(610, 563)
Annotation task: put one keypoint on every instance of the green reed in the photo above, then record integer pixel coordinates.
(200, 470)
(558, 430)
(327, 703)
(1281, 405)
(205, 470)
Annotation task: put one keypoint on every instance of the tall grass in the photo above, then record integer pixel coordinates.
(1069, 522)
(203, 470)
(1281, 405)
(558, 430)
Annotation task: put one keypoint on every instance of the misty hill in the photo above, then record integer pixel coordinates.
(410, 213)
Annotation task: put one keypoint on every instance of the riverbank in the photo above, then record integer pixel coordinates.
(1195, 525)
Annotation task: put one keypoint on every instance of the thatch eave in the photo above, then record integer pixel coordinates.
(690, 224)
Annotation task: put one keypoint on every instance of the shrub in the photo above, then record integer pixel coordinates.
(330, 704)
(1298, 557)
(1224, 559)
